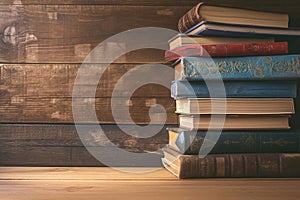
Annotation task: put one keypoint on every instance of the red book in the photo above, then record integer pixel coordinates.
(228, 50)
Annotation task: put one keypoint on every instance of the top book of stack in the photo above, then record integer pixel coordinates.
(209, 13)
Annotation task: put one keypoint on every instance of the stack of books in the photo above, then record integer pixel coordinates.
(233, 77)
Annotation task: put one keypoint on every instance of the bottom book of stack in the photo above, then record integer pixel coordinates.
(246, 154)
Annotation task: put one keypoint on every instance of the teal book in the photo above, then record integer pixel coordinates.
(281, 67)
(235, 89)
(281, 141)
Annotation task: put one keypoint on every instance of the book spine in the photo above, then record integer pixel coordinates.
(237, 89)
(191, 18)
(225, 50)
(253, 67)
(236, 33)
(190, 142)
(240, 165)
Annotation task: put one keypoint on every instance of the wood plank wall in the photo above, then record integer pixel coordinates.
(43, 43)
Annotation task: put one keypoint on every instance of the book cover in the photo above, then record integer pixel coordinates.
(183, 40)
(280, 141)
(268, 165)
(235, 89)
(227, 50)
(234, 122)
(203, 11)
(281, 67)
(235, 106)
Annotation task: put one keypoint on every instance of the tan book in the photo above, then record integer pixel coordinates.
(183, 40)
(236, 106)
(234, 122)
(230, 15)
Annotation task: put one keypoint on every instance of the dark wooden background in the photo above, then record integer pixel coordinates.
(43, 43)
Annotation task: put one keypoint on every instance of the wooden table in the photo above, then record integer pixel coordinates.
(36, 183)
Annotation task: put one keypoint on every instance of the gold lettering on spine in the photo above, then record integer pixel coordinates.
(290, 67)
(224, 67)
(285, 65)
(203, 68)
(268, 61)
(213, 49)
(240, 67)
(220, 166)
(296, 65)
(258, 71)
(214, 69)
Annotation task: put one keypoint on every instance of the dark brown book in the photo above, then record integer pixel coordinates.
(269, 165)
(203, 12)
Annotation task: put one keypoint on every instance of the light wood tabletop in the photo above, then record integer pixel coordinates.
(39, 183)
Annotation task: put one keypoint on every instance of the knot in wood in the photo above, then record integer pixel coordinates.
(10, 35)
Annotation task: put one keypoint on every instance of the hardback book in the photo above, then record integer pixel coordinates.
(227, 50)
(233, 89)
(235, 106)
(268, 141)
(235, 30)
(205, 12)
(261, 165)
(234, 122)
(183, 40)
(280, 67)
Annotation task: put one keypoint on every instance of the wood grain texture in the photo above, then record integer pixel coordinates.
(150, 189)
(36, 156)
(82, 158)
(88, 183)
(97, 2)
(60, 145)
(54, 135)
(57, 80)
(262, 5)
(42, 93)
(60, 110)
(81, 174)
(49, 156)
(65, 156)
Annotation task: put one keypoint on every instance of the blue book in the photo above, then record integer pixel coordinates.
(281, 67)
(235, 89)
(239, 30)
